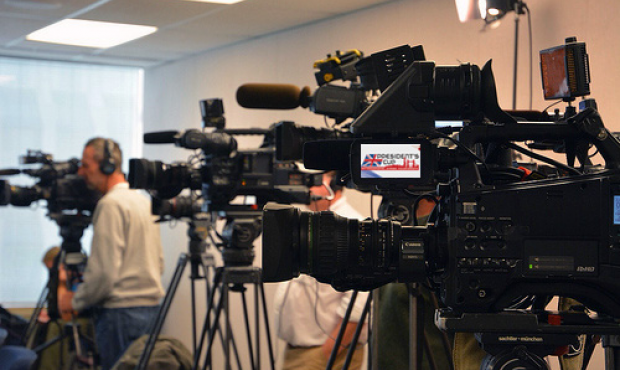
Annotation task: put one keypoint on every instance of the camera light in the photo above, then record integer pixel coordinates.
(493, 12)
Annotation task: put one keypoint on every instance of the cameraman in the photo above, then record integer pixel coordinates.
(122, 280)
(309, 313)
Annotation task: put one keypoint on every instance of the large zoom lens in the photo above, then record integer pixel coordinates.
(167, 179)
(346, 253)
(68, 193)
(176, 208)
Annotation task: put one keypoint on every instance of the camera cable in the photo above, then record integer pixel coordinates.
(542, 158)
(462, 147)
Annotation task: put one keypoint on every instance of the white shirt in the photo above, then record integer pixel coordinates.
(308, 311)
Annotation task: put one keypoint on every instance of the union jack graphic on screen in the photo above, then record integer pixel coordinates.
(371, 160)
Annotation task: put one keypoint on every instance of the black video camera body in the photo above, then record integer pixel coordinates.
(221, 172)
(496, 235)
(58, 184)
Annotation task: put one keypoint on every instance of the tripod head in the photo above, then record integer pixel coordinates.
(243, 225)
(72, 228)
(197, 231)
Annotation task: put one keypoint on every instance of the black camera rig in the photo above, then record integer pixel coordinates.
(217, 175)
(70, 203)
(498, 237)
(58, 184)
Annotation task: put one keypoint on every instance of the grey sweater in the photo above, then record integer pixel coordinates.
(126, 261)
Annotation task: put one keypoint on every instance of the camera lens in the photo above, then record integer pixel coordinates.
(167, 179)
(24, 196)
(177, 207)
(142, 173)
(346, 253)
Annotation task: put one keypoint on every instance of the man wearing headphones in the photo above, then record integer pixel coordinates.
(308, 313)
(122, 280)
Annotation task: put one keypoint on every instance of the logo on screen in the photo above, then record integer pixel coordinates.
(390, 161)
(375, 162)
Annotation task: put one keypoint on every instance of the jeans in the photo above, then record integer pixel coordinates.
(117, 328)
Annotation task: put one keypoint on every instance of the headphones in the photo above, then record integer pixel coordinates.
(107, 166)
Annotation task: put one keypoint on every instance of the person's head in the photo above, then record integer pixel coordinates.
(101, 164)
(326, 194)
(50, 256)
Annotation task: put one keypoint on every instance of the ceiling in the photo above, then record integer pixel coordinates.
(185, 28)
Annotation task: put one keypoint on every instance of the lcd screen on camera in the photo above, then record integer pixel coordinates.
(390, 161)
(616, 209)
(555, 80)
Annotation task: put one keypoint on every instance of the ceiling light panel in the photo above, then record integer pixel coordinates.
(92, 34)
(217, 1)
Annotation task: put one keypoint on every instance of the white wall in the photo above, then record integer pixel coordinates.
(173, 91)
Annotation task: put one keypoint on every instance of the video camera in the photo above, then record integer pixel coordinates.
(58, 184)
(223, 175)
(221, 172)
(499, 235)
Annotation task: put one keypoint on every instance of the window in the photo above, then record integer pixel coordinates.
(55, 107)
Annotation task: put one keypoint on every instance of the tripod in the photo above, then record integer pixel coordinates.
(239, 234)
(71, 230)
(198, 259)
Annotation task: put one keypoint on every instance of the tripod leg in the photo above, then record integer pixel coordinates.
(345, 321)
(230, 338)
(76, 338)
(358, 332)
(216, 319)
(206, 326)
(234, 345)
(224, 297)
(210, 294)
(257, 324)
(611, 344)
(33, 322)
(247, 330)
(267, 331)
(429, 354)
(163, 312)
(193, 295)
(370, 330)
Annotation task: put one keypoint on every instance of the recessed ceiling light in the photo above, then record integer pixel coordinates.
(92, 34)
(217, 1)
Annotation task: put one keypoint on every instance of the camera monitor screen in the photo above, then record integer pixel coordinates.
(392, 163)
(616, 209)
(565, 71)
(555, 79)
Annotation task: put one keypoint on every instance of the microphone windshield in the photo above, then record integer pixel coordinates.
(268, 96)
(160, 137)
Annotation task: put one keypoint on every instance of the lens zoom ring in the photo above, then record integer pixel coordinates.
(326, 257)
